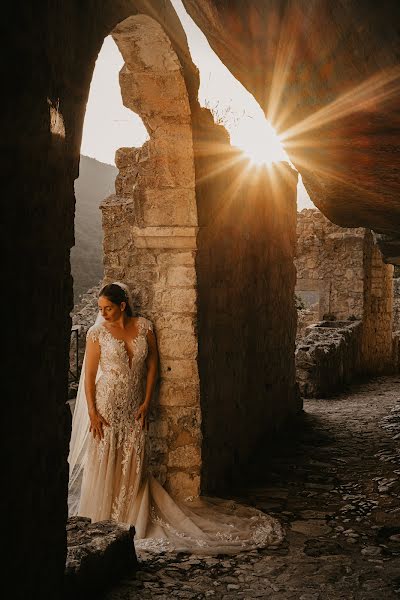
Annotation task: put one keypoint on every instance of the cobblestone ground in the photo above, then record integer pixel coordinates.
(336, 487)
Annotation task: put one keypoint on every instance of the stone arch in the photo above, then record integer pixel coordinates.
(150, 229)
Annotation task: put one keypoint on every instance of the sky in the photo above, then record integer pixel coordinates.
(109, 125)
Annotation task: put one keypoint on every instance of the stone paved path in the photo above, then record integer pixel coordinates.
(336, 487)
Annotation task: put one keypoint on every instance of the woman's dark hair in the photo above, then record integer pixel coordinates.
(115, 294)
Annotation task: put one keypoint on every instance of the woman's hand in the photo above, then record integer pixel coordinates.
(141, 415)
(97, 422)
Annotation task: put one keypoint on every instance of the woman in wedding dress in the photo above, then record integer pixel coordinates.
(109, 447)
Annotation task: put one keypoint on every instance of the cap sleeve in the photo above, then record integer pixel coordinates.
(93, 333)
(147, 325)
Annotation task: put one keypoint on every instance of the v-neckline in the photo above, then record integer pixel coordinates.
(123, 344)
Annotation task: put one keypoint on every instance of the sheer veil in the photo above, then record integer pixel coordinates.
(80, 427)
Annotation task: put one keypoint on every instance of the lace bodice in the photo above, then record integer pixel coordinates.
(114, 356)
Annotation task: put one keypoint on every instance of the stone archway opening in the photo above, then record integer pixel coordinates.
(107, 124)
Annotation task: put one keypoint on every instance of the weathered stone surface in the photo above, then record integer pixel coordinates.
(329, 264)
(378, 310)
(177, 344)
(184, 457)
(185, 482)
(328, 357)
(169, 207)
(342, 274)
(98, 555)
(179, 393)
(178, 369)
(156, 208)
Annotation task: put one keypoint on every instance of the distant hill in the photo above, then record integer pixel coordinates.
(96, 181)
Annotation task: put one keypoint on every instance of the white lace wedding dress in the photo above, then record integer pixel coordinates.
(117, 484)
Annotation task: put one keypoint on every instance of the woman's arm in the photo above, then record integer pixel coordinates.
(91, 366)
(152, 370)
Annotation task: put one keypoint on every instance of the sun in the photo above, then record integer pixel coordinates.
(256, 137)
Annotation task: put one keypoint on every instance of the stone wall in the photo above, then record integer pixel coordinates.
(328, 357)
(305, 317)
(343, 271)
(330, 265)
(83, 316)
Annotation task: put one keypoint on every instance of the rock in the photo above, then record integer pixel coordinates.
(97, 555)
(322, 548)
(371, 551)
(312, 527)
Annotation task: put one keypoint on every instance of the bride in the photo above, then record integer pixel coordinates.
(109, 476)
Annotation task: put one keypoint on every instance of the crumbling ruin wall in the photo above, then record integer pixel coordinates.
(343, 270)
(330, 265)
(328, 357)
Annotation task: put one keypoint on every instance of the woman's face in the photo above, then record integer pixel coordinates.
(109, 310)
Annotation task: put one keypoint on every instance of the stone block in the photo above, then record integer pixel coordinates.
(173, 322)
(181, 276)
(168, 207)
(164, 237)
(155, 93)
(116, 239)
(185, 438)
(183, 485)
(159, 427)
(178, 369)
(97, 554)
(176, 300)
(181, 418)
(179, 393)
(174, 259)
(184, 457)
(176, 344)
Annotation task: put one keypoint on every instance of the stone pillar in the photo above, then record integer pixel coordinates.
(150, 229)
(247, 318)
(378, 310)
